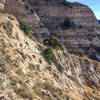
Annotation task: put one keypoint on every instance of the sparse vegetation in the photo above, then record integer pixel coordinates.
(50, 92)
(49, 56)
(25, 28)
(21, 88)
(8, 27)
(32, 10)
(24, 92)
(5, 65)
(53, 42)
(28, 6)
(2, 11)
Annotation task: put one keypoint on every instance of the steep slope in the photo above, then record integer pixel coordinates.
(47, 17)
(25, 75)
(24, 12)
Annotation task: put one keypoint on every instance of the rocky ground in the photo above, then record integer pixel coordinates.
(24, 72)
(26, 75)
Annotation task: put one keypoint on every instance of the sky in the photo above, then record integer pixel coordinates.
(93, 4)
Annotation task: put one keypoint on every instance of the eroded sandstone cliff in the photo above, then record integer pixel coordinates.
(25, 74)
(82, 38)
(46, 17)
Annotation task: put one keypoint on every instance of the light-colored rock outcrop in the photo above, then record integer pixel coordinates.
(25, 75)
(1, 6)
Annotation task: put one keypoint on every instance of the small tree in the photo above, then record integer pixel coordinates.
(53, 42)
(49, 56)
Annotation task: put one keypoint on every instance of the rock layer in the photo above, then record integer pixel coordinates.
(82, 38)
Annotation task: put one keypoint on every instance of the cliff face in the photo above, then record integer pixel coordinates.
(48, 18)
(24, 12)
(82, 38)
(25, 75)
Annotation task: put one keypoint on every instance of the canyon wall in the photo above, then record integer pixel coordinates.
(26, 75)
(48, 17)
(24, 72)
(83, 37)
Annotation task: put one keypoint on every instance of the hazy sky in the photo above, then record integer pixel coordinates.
(93, 4)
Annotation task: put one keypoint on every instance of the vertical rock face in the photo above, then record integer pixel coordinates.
(80, 13)
(53, 13)
(49, 18)
(82, 38)
(28, 15)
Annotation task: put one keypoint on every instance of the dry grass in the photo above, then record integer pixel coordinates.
(49, 92)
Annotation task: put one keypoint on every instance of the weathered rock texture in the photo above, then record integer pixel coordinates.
(21, 12)
(1, 6)
(25, 75)
(83, 38)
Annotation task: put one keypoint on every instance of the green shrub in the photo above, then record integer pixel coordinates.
(53, 42)
(25, 28)
(28, 6)
(54, 92)
(32, 10)
(49, 56)
(67, 3)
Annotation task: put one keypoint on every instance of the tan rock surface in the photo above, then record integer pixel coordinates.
(24, 77)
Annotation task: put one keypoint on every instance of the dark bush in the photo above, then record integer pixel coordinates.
(65, 3)
(53, 42)
(27, 7)
(80, 26)
(25, 28)
(32, 10)
(67, 23)
(49, 56)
